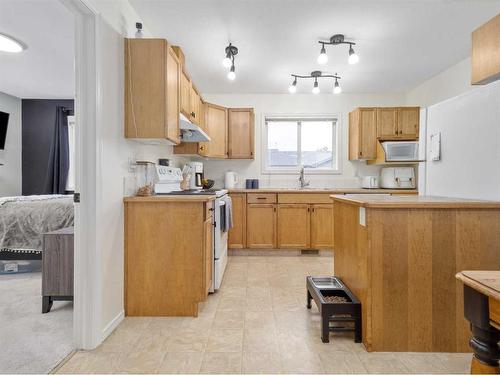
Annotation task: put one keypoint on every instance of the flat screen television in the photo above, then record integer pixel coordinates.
(4, 121)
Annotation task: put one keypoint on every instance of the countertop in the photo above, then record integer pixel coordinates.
(326, 191)
(413, 201)
(485, 282)
(170, 198)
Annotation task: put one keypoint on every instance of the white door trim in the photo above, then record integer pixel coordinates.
(87, 331)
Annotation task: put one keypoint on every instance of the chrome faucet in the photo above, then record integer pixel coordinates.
(302, 180)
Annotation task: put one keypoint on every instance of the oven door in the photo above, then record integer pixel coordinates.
(220, 244)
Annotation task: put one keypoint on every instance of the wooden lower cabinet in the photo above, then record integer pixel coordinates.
(261, 226)
(293, 226)
(237, 234)
(209, 262)
(322, 226)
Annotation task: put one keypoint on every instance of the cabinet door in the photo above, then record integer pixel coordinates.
(387, 122)
(194, 99)
(293, 226)
(261, 226)
(202, 121)
(173, 85)
(322, 226)
(216, 123)
(368, 133)
(185, 95)
(237, 234)
(209, 253)
(363, 134)
(241, 133)
(408, 122)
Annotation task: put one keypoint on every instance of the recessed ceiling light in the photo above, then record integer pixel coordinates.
(9, 44)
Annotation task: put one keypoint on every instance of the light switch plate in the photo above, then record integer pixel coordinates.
(362, 216)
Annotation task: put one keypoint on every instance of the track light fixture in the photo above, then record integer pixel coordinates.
(336, 40)
(316, 74)
(228, 61)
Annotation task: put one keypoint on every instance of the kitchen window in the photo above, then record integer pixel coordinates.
(290, 143)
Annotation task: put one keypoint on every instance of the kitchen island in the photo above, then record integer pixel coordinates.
(168, 254)
(399, 255)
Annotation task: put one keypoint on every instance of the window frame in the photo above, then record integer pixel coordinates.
(336, 136)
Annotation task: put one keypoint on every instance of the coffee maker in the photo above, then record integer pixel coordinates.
(195, 181)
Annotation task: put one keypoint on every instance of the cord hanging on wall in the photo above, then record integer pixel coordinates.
(228, 61)
(336, 40)
(316, 75)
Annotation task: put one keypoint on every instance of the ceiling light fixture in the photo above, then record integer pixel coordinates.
(316, 75)
(9, 44)
(228, 61)
(336, 40)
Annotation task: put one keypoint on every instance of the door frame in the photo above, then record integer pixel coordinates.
(87, 332)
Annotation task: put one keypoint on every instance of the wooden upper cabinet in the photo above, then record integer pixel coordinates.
(241, 133)
(387, 122)
(363, 134)
(408, 122)
(261, 226)
(194, 106)
(322, 226)
(293, 226)
(151, 90)
(485, 55)
(216, 124)
(237, 234)
(185, 95)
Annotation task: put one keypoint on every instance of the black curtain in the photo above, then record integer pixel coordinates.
(57, 171)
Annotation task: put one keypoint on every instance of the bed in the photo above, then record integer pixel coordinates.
(24, 219)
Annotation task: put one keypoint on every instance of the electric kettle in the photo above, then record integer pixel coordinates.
(230, 180)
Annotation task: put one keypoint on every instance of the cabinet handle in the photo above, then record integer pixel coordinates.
(202, 148)
(261, 197)
(193, 114)
(274, 209)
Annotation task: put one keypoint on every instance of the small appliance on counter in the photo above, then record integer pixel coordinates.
(196, 180)
(230, 180)
(397, 178)
(400, 150)
(370, 182)
(169, 179)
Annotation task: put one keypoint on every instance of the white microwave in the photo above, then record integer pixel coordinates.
(401, 150)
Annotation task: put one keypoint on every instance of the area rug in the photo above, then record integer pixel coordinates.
(31, 342)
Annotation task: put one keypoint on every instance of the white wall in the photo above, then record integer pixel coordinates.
(11, 157)
(266, 104)
(116, 151)
(451, 82)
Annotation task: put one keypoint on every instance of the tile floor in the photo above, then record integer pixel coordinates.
(256, 324)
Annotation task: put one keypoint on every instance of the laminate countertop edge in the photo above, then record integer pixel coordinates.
(170, 198)
(324, 191)
(403, 202)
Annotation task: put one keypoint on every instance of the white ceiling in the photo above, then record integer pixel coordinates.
(401, 43)
(46, 68)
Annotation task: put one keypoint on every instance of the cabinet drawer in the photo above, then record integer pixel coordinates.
(309, 198)
(261, 198)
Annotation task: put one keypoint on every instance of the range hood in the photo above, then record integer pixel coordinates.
(191, 132)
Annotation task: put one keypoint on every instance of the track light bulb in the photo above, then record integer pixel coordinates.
(336, 88)
(227, 62)
(315, 89)
(323, 57)
(353, 58)
(293, 87)
(231, 75)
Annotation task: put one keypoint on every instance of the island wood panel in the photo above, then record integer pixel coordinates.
(294, 226)
(163, 271)
(416, 303)
(351, 260)
(237, 234)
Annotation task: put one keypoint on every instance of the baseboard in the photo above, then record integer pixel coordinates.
(111, 326)
(277, 252)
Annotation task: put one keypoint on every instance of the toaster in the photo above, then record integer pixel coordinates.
(397, 178)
